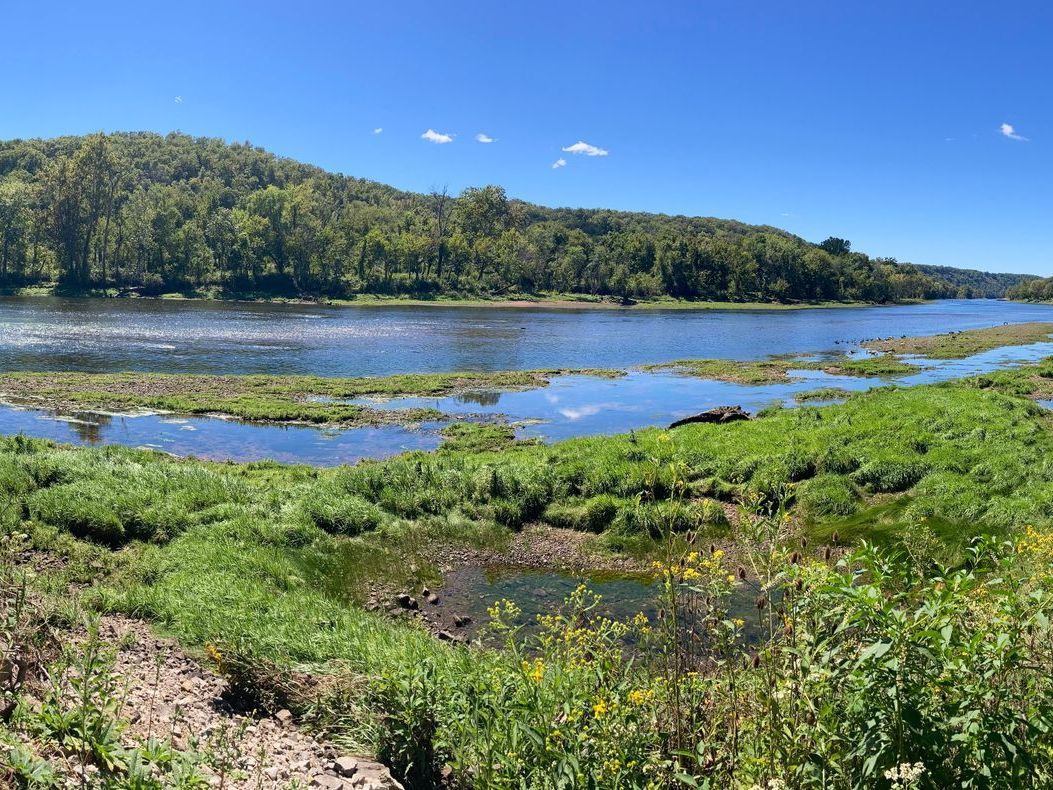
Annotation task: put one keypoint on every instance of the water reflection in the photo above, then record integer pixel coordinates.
(473, 590)
(571, 406)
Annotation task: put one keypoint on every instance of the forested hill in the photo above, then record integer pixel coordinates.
(974, 284)
(155, 214)
(1032, 289)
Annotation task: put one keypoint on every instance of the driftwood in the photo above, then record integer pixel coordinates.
(720, 414)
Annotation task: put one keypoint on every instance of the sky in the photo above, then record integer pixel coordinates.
(918, 130)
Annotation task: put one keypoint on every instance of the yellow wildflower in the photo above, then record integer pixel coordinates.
(599, 709)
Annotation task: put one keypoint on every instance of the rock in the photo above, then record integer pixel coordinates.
(284, 716)
(406, 601)
(461, 620)
(720, 414)
(346, 765)
(327, 782)
(432, 598)
(374, 776)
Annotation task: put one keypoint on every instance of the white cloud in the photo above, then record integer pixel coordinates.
(561, 162)
(437, 137)
(178, 99)
(485, 138)
(584, 148)
(378, 130)
(1007, 130)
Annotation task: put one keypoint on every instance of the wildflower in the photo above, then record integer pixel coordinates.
(905, 775)
(731, 578)
(599, 710)
(739, 622)
(215, 655)
(639, 696)
(690, 574)
(535, 671)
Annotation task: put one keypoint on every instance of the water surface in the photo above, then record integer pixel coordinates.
(48, 333)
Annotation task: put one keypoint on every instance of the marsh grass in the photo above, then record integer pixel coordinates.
(958, 345)
(263, 562)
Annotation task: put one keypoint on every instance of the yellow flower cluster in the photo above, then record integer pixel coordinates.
(640, 696)
(536, 670)
(1036, 543)
(213, 652)
(692, 567)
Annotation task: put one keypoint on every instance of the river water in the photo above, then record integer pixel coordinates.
(202, 337)
(38, 333)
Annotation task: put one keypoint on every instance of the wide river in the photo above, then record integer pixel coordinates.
(202, 337)
(224, 337)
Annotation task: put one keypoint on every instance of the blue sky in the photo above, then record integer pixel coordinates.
(879, 122)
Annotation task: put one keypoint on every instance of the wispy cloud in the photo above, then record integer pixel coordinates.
(378, 130)
(437, 137)
(561, 162)
(581, 147)
(1007, 130)
(485, 138)
(178, 99)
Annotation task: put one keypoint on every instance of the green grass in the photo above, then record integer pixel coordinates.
(823, 394)
(778, 370)
(266, 562)
(957, 345)
(541, 300)
(291, 399)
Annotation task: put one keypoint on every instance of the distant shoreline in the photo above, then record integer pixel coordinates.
(554, 301)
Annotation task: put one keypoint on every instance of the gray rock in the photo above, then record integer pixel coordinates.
(346, 765)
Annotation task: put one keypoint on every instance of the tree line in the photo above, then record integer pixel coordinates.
(152, 213)
(1032, 289)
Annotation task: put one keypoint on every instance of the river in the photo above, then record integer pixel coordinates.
(209, 337)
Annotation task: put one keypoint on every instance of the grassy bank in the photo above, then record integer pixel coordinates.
(777, 370)
(958, 345)
(292, 399)
(524, 300)
(264, 563)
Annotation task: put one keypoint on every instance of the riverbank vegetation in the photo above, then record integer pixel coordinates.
(779, 370)
(146, 214)
(293, 399)
(873, 665)
(958, 345)
(1032, 289)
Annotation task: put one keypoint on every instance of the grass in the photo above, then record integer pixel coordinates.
(264, 562)
(823, 394)
(540, 300)
(958, 345)
(779, 370)
(290, 399)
